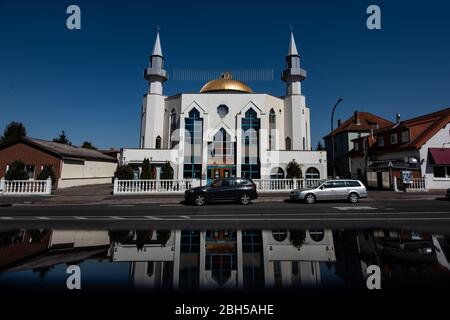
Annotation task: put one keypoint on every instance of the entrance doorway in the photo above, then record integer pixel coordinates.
(220, 172)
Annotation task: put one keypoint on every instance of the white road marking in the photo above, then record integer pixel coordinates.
(121, 205)
(43, 218)
(185, 217)
(81, 218)
(116, 218)
(355, 208)
(6, 218)
(152, 218)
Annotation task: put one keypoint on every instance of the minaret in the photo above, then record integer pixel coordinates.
(155, 73)
(293, 74)
(152, 126)
(296, 118)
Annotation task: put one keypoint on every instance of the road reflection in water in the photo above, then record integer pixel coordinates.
(220, 259)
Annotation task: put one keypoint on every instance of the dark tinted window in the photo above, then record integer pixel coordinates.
(353, 184)
(245, 182)
(328, 185)
(339, 184)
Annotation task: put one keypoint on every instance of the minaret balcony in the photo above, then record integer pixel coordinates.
(296, 74)
(150, 73)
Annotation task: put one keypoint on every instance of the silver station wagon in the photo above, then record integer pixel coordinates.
(351, 190)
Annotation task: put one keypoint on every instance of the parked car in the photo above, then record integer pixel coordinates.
(447, 195)
(236, 189)
(352, 190)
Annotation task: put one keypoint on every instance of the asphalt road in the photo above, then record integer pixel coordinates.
(430, 215)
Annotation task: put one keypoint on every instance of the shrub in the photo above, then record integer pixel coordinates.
(16, 171)
(47, 172)
(293, 170)
(167, 171)
(125, 172)
(146, 172)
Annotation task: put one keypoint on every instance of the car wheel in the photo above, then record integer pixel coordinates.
(200, 199)
(245, 198)
(310, 198)
(353, 197)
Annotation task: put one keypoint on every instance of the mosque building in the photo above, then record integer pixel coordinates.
(226, 129)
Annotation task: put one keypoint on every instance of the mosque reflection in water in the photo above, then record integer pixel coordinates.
(208, 259)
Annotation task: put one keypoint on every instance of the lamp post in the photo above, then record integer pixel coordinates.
(332, 134)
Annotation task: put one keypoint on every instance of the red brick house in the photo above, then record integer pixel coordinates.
(420, 146)
(73, 166)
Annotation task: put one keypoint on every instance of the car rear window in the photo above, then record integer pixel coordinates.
(353, 184)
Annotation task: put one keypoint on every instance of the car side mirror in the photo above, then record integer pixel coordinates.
(321, 187)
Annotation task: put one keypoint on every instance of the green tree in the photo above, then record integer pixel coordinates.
(293, 170)
(125, 172)
(47, 172)
(88, 145)
(320, 146)
(163, 236)
(297, 238)
(167, 171)
(147, 169)
(62, 138)
(16, 171)
(13, 131)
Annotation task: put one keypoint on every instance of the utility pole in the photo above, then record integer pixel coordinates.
(332, 134)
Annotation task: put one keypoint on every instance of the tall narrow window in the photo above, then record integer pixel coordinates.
(288, 144)
(193, 145)
(250, 164)
(173, 127)
(158, 142)
(272, 129)
(221, 150)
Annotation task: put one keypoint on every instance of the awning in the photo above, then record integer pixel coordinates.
(440, 155)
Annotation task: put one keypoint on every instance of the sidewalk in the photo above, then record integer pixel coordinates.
(102, 195)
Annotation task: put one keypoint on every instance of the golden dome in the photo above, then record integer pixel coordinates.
(225, 83)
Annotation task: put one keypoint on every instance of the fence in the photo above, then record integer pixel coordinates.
(417, 184)
(276, 185)
(179, 186)
(153, 186)
(25, 187)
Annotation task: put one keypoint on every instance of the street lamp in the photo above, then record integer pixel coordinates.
(332, 134)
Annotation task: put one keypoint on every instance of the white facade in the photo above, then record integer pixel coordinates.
(226, 131)
(228, 258)
(440, 140)
(85, 172)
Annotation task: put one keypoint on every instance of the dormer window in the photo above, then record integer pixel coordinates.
(394, 138)
(405, 136)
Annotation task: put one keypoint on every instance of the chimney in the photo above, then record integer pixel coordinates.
(398, 118)
(356, 119)
(339, 122)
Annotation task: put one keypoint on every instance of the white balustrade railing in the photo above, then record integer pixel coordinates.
(275, 185)
(417, 184)
(180, 186)
(153, 186)
(25, 187)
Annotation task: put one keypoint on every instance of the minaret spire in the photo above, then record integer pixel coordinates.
(157, 47)
(155, 73)
(292, 47)
(293, 74)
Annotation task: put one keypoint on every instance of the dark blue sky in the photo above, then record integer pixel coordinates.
(90, 83)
